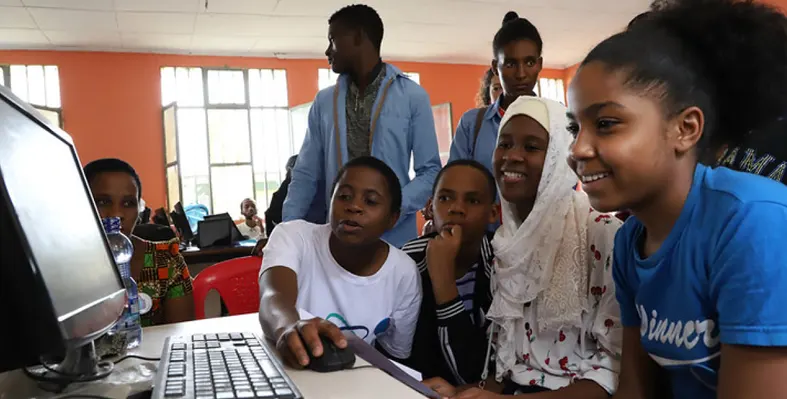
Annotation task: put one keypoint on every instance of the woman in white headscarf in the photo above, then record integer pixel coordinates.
(554, 316)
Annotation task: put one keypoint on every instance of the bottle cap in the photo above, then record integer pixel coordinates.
(111, 225)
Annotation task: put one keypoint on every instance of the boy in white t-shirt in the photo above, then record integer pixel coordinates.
(342, 272)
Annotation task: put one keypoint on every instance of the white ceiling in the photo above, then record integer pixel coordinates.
(458, 31)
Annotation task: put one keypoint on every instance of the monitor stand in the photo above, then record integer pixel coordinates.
(80, 364)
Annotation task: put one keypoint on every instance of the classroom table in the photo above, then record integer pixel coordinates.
(362, 383)
(195, 256)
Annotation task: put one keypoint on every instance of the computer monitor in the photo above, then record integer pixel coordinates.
(181, 223)
(59, 286)
(217, 230)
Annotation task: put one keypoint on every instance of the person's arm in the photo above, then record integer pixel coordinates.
(426, 157)
(748, 284)
(765, 369)
(637, 370)
(308, 170)
(460, 144)
(462, 344)
(278, 296)
(179, 301)
(278, 314)
(280, 320)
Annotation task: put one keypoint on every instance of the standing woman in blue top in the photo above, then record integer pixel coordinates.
(700, 267)
(517, 62)
(373, 109)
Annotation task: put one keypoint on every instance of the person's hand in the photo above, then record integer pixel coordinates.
(257, 250)
(259, 222)
(477, 393)
(441, 386)
(294, 342)
(441, 254)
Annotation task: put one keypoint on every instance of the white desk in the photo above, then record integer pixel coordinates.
(348, 384)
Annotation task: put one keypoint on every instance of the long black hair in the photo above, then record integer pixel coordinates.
(727, 57)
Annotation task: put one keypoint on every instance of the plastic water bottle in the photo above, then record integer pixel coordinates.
(129, 323)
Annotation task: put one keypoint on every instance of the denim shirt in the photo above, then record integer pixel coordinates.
(462, 145)
(404, 129)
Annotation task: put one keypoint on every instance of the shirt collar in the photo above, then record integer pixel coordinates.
(494, 109)
(373, 75)
(376, 70)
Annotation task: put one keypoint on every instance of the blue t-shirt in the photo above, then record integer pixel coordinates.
(720, 277)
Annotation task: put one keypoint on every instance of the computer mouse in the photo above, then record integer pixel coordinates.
(333, 358)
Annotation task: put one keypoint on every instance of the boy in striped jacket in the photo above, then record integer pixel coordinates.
(455, 264)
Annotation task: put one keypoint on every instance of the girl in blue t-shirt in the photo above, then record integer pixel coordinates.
(700, 269)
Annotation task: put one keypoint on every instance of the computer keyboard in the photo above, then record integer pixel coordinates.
(221, 366)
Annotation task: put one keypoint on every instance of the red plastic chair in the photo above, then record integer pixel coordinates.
(237, 284)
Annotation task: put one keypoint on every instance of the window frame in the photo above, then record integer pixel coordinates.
(206, 107)
(540, 92)
(5, 71)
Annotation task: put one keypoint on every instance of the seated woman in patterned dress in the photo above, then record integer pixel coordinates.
(157, 266)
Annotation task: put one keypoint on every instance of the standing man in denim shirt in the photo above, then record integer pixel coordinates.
(373, 109)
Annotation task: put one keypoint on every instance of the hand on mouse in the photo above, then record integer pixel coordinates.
(304, 335)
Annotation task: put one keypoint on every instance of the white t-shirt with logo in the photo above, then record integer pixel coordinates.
(382, 307)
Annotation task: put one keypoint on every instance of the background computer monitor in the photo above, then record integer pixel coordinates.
(181, 223)
(217, 230)
(59, 287)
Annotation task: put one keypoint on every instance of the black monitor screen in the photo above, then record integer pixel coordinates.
(56, 218)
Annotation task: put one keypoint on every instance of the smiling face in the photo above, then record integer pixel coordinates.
(517, 65)
(361, 206)
(623, 150)
(519, 159)
(463, 197)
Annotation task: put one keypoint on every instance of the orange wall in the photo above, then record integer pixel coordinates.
(112, 101)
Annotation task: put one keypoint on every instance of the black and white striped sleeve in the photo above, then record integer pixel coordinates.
(461, 341)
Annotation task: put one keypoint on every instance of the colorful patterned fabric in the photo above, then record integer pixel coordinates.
(164, 276)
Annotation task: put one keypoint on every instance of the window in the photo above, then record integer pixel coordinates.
(227, 136)
(38, 85)
(552, 89)
(327, 77)
(414, 76)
